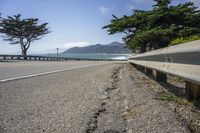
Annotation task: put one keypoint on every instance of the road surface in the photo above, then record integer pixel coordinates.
(17, 69)
(106, 98)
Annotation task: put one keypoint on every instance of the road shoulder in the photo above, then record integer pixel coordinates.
(130, 105)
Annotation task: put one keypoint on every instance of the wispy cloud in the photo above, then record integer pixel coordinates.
(105, 10)
(197, 2)
(142, 1)
(139, 4)
(75, 44)
(62, 47)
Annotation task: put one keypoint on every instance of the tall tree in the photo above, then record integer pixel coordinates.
(156, 28)
(22, 31)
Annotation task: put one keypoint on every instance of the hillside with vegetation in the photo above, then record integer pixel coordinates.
(112, 48)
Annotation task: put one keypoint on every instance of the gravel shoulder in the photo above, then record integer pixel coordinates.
(154, 107)
(145, 113)
(130, 105)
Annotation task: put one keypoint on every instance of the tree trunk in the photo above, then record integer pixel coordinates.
(24, 47)
(143, 48)
(24, 53)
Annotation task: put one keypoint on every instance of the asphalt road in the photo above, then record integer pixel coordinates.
(58, 102)
(107, 97)
(17, 69)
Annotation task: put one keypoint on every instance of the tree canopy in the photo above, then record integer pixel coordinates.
(22, 31)
(156, 28)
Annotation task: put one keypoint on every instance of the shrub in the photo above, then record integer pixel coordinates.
(181, 40)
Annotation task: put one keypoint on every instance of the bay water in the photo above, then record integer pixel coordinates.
(93, 56)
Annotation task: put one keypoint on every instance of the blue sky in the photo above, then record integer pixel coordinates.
(71, 22)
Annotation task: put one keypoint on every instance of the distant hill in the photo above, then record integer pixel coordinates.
(112, 48)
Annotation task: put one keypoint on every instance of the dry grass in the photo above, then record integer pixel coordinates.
(128, 114)
(167, 96)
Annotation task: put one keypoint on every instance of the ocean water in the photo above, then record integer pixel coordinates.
(94, 56)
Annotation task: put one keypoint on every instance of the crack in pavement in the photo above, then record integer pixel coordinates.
(107, 114)
(114, 80)
(92, 124)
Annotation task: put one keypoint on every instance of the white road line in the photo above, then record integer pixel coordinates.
(44, 73)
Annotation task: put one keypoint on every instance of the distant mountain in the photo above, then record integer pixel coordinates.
(112, 48)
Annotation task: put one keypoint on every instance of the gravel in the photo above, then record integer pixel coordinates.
(144, 113)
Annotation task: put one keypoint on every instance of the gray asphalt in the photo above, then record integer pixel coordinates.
(14, 69)
(61, 102)
(109, 98)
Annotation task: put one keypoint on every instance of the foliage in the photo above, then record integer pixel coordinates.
(156, 28)
(184, 39)
(22, 31)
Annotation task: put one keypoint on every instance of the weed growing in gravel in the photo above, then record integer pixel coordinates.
(167, 96)
(129, 114)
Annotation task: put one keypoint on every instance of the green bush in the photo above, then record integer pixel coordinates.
(184, 40)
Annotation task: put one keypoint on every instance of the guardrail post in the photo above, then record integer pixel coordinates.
(149, 71)
(142, 69)
(192, 91)
(161, 77)
(134, 65)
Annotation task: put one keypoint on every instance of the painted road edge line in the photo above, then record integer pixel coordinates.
(45, 73)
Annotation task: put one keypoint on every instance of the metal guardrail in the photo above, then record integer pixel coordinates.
(31, 57)
(180, 60)
(45, 58)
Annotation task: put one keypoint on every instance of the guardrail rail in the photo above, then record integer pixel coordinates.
(44, 58)
(180, 60)
(31, 57)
